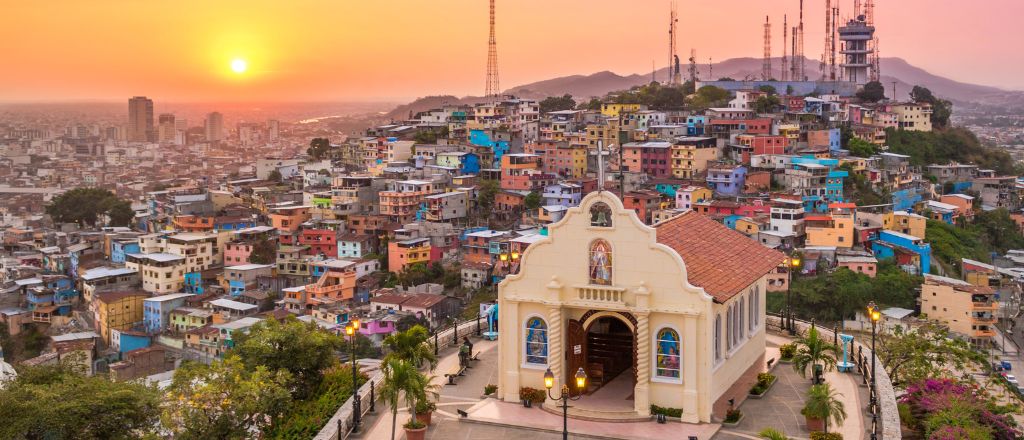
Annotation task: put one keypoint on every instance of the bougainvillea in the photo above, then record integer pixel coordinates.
(945, 409)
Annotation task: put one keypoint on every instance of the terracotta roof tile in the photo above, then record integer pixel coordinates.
(719, 259)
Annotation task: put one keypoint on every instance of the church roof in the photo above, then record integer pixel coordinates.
(719, 259)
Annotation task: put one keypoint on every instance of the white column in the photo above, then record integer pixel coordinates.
(641, 394)
(509, 352)
(690, 403)
(555, 351)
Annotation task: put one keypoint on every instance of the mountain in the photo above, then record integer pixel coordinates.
(599, 84)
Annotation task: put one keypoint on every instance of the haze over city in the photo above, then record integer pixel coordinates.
(396, 50)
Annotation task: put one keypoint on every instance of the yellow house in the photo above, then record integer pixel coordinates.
(649, 313)
(909, 223)
(913, 116)
(118, 311)
(748, 226)
(834, 229)
(690, 158)
(967, 309)
(614, 110)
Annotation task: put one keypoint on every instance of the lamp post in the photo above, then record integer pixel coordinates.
(350, 330)
(875, 316)
(794, 263)
(581, 384)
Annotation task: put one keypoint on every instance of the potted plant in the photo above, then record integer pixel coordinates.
(815, 352)
(732, 418)
(529, 396)
(773, 434)
(786, 353)
(823, 406)
(425, 410)
(403, 380)
(490, 389)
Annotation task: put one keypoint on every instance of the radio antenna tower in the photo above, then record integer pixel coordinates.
(869, 18)
(856, 9)
(766, 68)
(785, 44)
(828, 39)
(832, 33)
(800, 46)
(794, 67)
(492, 89)
(675, 76)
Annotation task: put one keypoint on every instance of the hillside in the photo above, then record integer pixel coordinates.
(599, 84)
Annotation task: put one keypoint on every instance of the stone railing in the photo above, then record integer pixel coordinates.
(342, 418)
(888, 414)
(600, 294)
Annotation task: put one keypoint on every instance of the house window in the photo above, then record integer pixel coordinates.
(718, 336)
(668, 355)
(536, 341)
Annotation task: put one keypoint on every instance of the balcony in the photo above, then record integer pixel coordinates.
(600, 294)
(984, 305)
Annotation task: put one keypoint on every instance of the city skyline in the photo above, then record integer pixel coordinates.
(355, 52)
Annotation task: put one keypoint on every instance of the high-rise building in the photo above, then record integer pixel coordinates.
(214, 127)
(856, 49)
(273, 130)
(140, 119)
(166, 128)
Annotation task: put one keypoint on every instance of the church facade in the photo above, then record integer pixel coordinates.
(673, 312)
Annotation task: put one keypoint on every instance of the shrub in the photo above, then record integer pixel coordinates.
(764, 380)
(906, 416)
(532, 394)
(826, 436)
(667, 412)
(425, 406)
(787, 351)
(733, 416)
(414, 425)
(490, 389)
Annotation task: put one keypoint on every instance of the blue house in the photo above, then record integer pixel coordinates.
(730, 221)
(906, 250)
(470, 163)
(120, 248)
(695, 125)
(194, 283)
(482, 138)
(156, 311)
(905, 199)
(127, 340)
(726, 179)
(667, 188)
(233, 224)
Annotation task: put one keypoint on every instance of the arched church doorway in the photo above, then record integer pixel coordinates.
(610, 355)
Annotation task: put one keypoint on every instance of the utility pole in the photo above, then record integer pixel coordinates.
(894, 91)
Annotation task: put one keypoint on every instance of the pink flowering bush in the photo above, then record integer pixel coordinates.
(944, 409)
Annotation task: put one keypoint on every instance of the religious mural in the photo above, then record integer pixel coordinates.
(601, 263)
(536, 341)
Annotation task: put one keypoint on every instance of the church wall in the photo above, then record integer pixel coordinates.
(737, 361)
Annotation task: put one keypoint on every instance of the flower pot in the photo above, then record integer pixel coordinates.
(527, 403)
(424, 417)
(415, 434)
(815, 424)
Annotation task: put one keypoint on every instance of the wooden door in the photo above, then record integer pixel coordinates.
(575, 351)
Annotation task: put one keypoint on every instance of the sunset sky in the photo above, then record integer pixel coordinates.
(328, 50)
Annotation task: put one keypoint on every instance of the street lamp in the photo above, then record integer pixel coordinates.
(350, 331)
(794, 262)
(875, 316)
(581, 384)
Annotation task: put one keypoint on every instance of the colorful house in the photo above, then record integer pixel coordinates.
(910, 252)
(156, 311)
(402, 254)
(118, 311)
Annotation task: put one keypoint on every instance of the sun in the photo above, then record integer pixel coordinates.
(239, 65)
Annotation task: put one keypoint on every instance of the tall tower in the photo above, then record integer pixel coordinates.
(785, 44)
(832, 39)
(857, 51)
(794, 66)
(140, 120)
(214, 127)
(869, 18)
(675, 76)
(828, 40)
(800, 47)
(693, 67)
(493, 90)
(766, 66)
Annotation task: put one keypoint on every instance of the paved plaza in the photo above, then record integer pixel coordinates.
(492, 419)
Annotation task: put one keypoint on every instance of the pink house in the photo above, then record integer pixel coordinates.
(865, 264)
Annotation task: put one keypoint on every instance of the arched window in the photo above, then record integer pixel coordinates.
(728, 328)
(718, 336)
(668, 354)
(600, 263)
(536, 341)
(742, 329)
(600, 215)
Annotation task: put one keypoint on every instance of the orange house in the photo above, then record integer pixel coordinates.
(333, 285)
(405, 253)
(963, 202)
(289, 218)
(192, 223)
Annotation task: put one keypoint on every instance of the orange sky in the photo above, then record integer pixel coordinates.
(326, 50)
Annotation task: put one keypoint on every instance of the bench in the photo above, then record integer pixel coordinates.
(456, 372)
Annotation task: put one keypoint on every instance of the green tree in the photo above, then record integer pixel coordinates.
(57, 402)
(813, 350)
(941, 108)
(927, 351)
(274, 176)
(303, 349)
(485, 198)
(318, 148)
(767, 104)
(264, 251)
(85, 206)
(224, 400)
(401, 378)
(707, 97)
(557, 103)
(770, 90)
(861, 148)
(532, 201)
(823, 403)
(594, 104)
(873, 91)
(412, 345)
(953, 144)
(305, 418)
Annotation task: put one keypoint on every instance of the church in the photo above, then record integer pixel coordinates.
(671, 315)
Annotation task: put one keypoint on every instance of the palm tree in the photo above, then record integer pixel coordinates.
(412, 346)
(402, 379)
(773, 434)
(813, 350)
(823, 403)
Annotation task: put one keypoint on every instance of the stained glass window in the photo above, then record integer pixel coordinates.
(601, 263)
(536, 341)
(668, 354)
